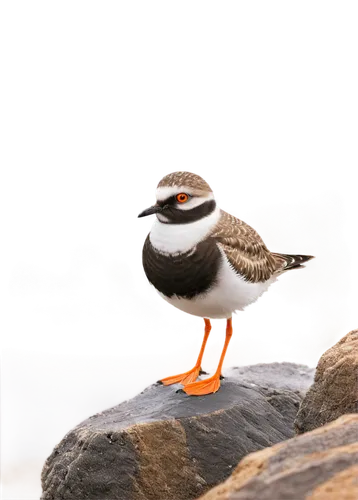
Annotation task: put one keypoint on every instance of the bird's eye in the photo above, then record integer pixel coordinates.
(182, 197)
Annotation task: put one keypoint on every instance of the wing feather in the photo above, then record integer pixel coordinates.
(244, 249)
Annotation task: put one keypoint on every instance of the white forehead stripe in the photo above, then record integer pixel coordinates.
(162, 193)
(165, 192)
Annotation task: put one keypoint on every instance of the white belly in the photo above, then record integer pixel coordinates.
(230, 294)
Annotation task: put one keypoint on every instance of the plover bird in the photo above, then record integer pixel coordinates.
(206, 262)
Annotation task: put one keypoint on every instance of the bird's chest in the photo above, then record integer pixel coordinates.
(186, 274)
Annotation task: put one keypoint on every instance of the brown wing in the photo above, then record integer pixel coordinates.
(245, 250)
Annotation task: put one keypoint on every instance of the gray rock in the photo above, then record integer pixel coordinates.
(318, 465)
(335, 389)
(166, 445)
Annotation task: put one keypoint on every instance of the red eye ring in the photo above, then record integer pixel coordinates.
(182, 197)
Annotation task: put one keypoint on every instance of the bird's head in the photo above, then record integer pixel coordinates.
(181, 196)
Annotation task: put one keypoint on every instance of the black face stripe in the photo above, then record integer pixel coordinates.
(178, 216)
(185, 275)
(171, 201)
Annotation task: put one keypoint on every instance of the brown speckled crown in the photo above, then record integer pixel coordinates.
(185, 179)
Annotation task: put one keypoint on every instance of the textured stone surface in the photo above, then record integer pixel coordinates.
(335, 389)
(319, 465)
(164, 445)
(343, 485)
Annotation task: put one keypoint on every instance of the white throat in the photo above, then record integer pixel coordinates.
(180, 238)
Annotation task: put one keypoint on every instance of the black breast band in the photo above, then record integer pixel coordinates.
(185, 275)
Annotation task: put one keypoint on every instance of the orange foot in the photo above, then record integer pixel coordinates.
(183, 378)
(207, 386)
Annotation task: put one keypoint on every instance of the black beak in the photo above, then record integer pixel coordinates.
(151, 210)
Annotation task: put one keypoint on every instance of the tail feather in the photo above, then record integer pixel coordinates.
(286, 261)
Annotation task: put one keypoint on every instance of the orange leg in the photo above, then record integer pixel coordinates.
(211, 384)
(191, 375)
